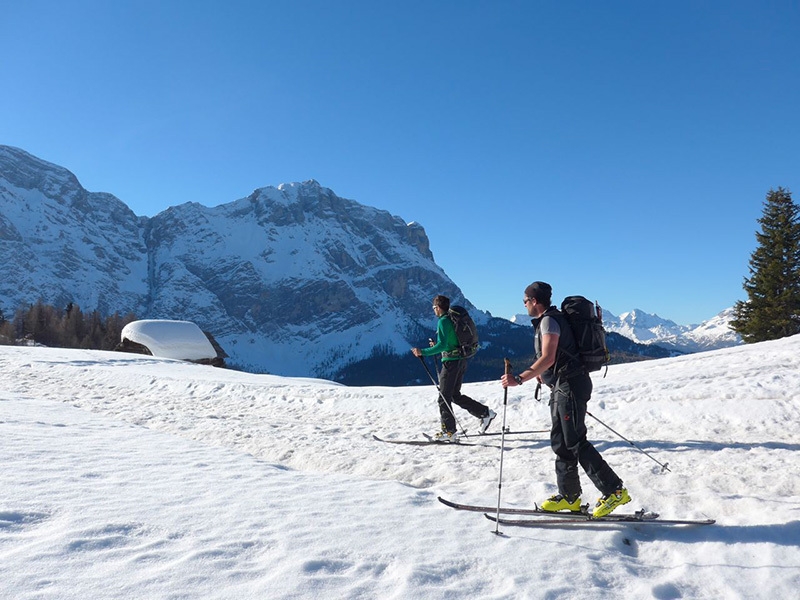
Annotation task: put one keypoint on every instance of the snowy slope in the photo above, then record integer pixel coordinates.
(131, 477)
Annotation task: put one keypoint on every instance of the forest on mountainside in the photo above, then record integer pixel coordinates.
(62, 328)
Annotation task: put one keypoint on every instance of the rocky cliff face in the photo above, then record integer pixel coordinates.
(295, 276)
(60, 243)
(291, 280)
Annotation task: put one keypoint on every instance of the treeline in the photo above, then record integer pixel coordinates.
(62, 328)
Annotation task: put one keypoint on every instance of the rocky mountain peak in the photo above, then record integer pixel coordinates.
(291, 279)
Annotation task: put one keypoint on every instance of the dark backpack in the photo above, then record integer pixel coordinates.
(586, 321)
(466, 332)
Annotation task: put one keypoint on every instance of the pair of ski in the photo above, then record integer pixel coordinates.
(541, 517)
(469, 441)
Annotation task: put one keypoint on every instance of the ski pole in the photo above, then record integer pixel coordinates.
(663, 466)
(438, 389)
(502, 449)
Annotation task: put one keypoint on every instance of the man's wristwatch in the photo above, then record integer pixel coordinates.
(518, 379)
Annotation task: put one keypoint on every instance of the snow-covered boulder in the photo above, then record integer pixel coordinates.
(181, 340)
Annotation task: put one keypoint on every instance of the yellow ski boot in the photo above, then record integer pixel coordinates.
(558, 503)
(609, 502)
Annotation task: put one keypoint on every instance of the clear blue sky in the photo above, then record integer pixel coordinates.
(621, 150)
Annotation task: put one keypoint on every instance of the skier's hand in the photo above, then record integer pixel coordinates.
(416, 352)
(507, 380)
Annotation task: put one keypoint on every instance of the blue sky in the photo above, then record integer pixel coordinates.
(620, 150)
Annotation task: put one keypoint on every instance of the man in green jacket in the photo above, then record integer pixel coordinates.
(454, 365)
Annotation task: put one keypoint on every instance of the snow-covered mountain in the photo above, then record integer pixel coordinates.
(290, 280)
(646, 328)
(652, 330)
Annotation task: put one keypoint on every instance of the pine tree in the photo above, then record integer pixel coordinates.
(6, 330)
(772, 310)
(73, 326)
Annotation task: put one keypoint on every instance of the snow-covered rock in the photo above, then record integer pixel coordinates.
(181, 340)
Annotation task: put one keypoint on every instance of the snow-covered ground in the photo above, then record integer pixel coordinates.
(130, 477)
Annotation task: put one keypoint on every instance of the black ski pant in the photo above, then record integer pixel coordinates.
(450, 379)
(568, 440)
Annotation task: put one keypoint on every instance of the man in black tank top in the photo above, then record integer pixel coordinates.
(557, 367)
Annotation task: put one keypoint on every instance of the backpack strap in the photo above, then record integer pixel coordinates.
(571, 364)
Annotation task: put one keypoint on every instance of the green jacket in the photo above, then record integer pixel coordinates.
(446, 341)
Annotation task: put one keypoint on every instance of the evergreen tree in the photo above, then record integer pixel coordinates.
(6, 330)
(772, 310)
(72, 326)
(113, 331)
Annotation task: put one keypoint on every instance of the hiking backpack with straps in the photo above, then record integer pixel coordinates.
(466, 332)
(586, 321)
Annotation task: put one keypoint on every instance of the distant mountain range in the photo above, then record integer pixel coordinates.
(652, 329)
(292, 280)
(649, 329)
